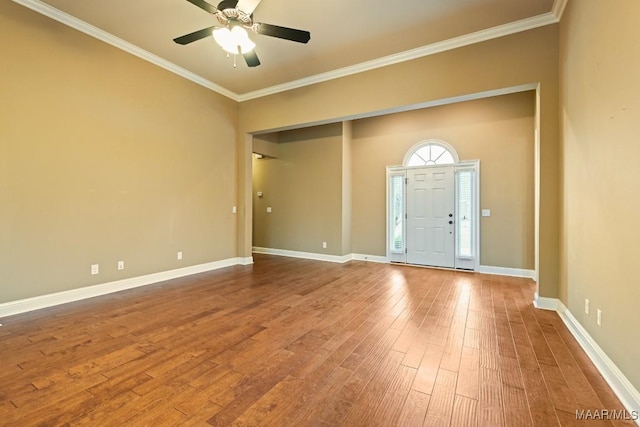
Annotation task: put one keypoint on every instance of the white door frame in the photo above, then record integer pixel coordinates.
(399, 255)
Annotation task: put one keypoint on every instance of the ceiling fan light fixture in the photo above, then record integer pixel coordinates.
(234, 40)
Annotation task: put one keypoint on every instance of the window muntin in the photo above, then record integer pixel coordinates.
(430, 154)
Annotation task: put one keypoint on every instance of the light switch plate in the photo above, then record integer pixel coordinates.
(486, 212)
(269, 209)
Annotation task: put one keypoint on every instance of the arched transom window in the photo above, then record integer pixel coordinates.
(430, 153)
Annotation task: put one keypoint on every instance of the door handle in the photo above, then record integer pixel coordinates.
(450, 222)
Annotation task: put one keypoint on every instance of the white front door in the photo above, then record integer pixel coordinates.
(430, 216)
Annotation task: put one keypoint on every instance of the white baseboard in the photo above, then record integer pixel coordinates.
(370, 258)
(43, 301)
(245, 261)
(305, 255)
(504, 271)
(484, 269)
(621, 386)
(544, 303)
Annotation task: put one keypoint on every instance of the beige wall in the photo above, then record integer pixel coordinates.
(303, 186)
(104, 157)
(497, 131)
(523, 58)
(600, 105)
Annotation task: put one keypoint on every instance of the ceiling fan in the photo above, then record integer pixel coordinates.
(234, 17)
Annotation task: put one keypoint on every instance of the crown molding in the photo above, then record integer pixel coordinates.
(80, 25)
(558, 8)
(431, 49)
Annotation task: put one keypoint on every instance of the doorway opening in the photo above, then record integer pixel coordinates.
(432, 208)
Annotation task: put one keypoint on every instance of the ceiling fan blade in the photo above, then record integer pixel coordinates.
(204, 5)
(251, 58)
(292, 34)
(248, 6)
(196, 35)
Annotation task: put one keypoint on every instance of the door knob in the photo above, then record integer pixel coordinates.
(450, 222)
(450, 215)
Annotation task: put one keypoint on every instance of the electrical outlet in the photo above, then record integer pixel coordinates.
(599, 317)
(120, 265)
(586, 306)
(269, 209)
(180, 255)
(95, 269)
(324, 245)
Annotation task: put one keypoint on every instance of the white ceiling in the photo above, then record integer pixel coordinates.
(343, 34)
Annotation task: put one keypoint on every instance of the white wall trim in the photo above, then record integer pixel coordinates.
(504, 271)
(558, 8)
(621, 386)
(245, 260)
(305, 255)
(483, 269)
(370, 258)
(544, 303)
(43, 301)
(82, 26)
(431, 49)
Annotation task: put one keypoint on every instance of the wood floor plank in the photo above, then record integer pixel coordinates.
(514, 397)
(393, 400)
(271, 403)
(440, 408)
(464, 412)
(469, 374)
(558, 388)
(361, 411)
(428, 369)
(298, 342)
(540, 403)
(325, 399)
(414, 409)
(490, 406)
(250, 389)
(364, 372)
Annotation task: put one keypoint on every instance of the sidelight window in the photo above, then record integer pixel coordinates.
(397, 216)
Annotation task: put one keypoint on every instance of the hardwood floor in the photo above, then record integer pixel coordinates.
(292, 342)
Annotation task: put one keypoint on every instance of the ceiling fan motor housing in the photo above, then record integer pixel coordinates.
(229, 15)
